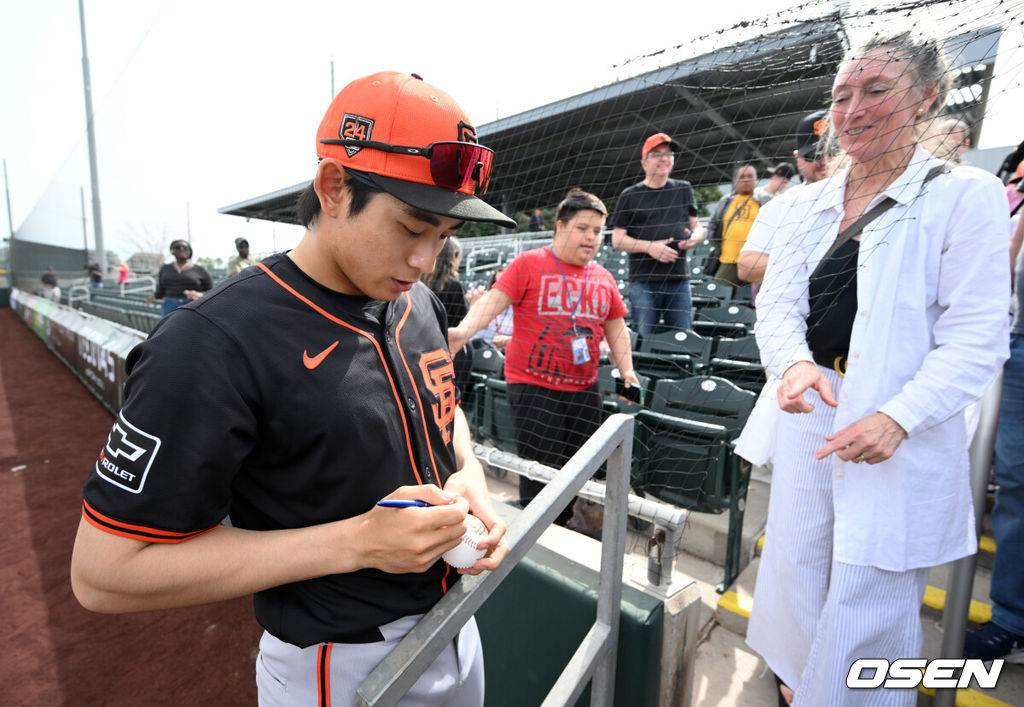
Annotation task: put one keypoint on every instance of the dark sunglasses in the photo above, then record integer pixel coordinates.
(452, 164)
(180, 246)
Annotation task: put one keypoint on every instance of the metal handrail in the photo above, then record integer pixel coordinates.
(77, 293)
(595, 658)
(961, 579)
(668, 520)
(142, 284)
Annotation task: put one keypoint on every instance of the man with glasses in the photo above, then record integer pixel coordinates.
(312, 399)
(655, 221)
(812, 166)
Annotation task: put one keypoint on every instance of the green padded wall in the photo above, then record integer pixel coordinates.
(534, 621)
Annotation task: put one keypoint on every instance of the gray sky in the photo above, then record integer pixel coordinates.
(203, 104)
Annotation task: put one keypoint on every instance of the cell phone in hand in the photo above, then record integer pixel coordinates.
(633, 393)
(678, 243)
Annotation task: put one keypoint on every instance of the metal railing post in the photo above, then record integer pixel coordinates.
(961, 580)
(397, 673)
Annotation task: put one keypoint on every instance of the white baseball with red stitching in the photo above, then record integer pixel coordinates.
(466, 553)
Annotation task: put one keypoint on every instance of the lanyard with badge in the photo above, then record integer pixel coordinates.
(580, 350)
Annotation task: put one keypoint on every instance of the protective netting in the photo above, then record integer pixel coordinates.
(733, 97)
(740, 101)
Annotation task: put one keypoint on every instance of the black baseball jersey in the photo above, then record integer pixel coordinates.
(285, 405)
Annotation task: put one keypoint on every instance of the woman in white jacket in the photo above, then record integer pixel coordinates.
(884, 314)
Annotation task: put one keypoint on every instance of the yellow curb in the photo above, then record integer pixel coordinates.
(736, 603)
(978, 613)
(985, 544)
(934, 598)
(970, 698)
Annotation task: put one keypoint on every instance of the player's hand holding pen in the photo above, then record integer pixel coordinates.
(460, 485)
(413, 536)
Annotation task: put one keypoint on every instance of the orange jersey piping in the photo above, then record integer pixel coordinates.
(136, 532)
(394, 391)
(416, 390)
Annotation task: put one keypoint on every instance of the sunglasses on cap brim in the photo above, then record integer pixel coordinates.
(453, 165)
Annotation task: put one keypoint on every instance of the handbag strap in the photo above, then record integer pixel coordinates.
(735, 213)
(870, 215)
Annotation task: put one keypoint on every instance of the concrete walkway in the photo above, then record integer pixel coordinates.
(727, 672)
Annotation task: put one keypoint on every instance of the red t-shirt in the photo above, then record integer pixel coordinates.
(543, 297)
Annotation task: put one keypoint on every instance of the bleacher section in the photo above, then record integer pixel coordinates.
(720, 345)
(127, 310)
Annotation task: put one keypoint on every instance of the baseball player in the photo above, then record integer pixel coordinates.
(294, 397)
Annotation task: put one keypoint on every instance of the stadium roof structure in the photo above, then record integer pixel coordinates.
(736, 104)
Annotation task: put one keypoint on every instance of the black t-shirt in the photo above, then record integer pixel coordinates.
(285, 405)
(453, 298)
(171, 283)
(832, 300)
(653, 215)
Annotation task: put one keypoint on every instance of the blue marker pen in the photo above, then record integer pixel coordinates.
(390, 503)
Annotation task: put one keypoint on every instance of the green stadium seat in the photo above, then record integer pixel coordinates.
(683, 452)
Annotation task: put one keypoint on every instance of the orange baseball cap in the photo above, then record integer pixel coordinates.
(412, 140)
(656, 140)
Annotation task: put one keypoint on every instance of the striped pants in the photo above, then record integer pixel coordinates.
(328, 674)
(814, 616)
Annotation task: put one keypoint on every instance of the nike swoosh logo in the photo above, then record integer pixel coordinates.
(314, 361)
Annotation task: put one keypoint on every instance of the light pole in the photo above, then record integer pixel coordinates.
(94, 184)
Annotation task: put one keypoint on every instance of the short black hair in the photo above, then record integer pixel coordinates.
(578, 200)
(307, 207)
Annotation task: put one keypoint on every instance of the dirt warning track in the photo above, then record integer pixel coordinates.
(54, 651)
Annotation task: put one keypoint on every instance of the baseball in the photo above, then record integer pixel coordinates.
(466, 553)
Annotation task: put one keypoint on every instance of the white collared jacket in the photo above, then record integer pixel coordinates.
(930, 333)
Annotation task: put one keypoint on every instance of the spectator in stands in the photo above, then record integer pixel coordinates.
(536, 221)
(123, 274)
(51, 290)
(756, 443)
(241, 260)
(882, 333)
(180, 281)
(95, 276)
(655, 221)
(499, 330)
(753, 260)
(1017, 184)
(1015, 192)
(948, 139)
(731, 221)
(811, 162)
(444, 282)
(1003, 635)
(563, 304)
(779, 180)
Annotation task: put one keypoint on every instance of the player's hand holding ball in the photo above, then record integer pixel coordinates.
(464, 484)
(468, 551)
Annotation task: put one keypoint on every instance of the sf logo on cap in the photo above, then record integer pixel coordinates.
(355, 127)
(467, 133)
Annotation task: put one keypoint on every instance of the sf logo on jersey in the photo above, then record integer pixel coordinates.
(127, 456)
(439, 375)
